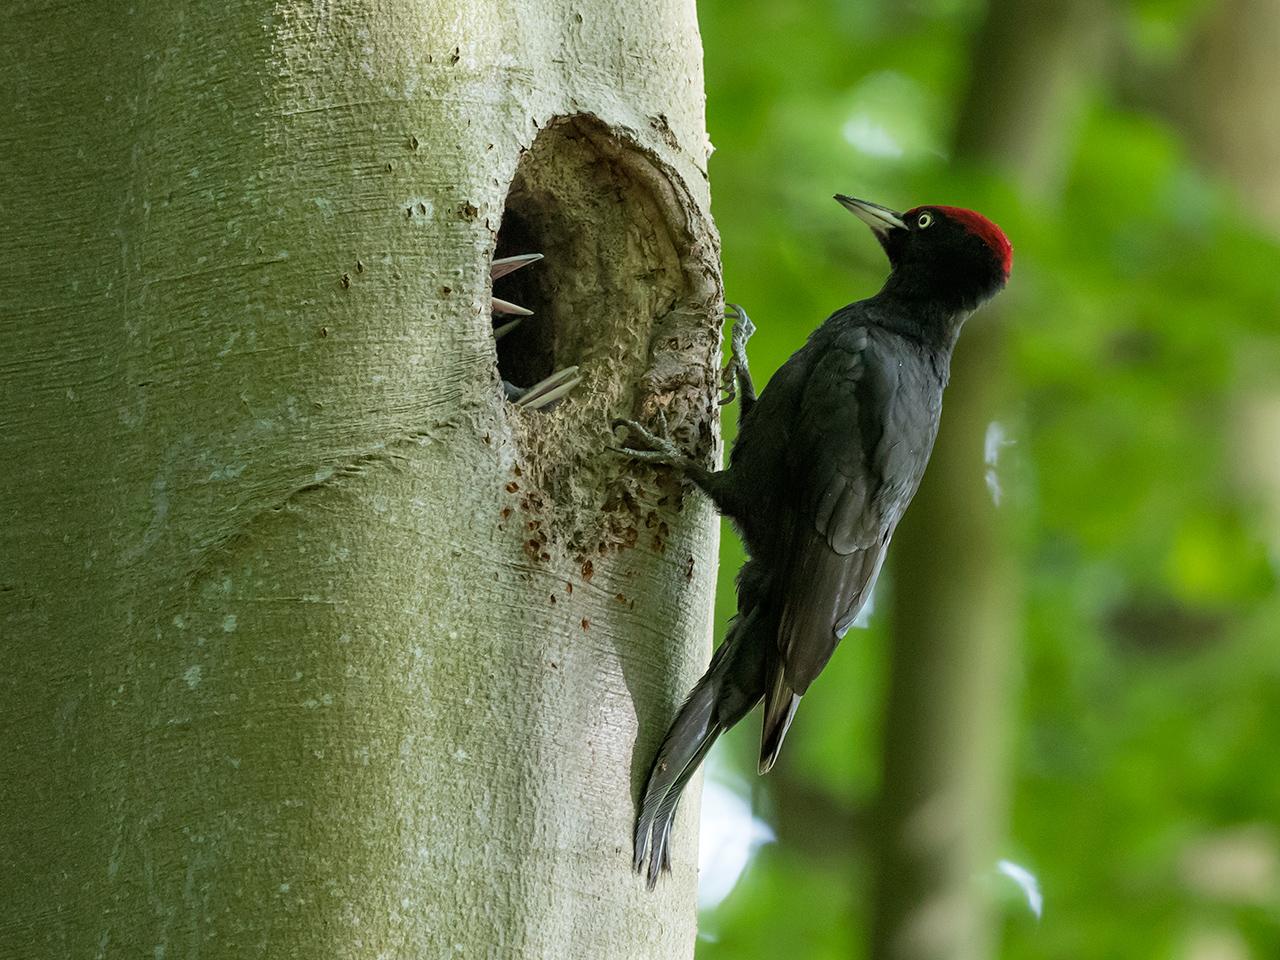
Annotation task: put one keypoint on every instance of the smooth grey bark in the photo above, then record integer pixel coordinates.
(956, 590)
(313, 645)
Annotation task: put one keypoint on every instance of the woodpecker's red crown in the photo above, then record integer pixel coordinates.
(976, 224)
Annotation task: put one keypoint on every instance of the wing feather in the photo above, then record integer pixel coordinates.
(839, 454)
(864, 418)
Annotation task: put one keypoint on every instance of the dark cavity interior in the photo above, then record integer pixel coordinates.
(527, 353)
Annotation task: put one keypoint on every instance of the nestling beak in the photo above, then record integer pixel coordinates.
(880, 219)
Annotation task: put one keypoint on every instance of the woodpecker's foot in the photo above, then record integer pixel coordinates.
(737, 374)
(743, 330)
(544, 394)
(650, 447)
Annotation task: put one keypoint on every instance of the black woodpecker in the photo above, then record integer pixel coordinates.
(826, 461)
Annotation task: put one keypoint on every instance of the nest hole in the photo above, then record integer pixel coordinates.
(626, 292)
(612, 260)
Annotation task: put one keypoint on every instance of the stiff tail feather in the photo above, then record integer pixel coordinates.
(780, 702)
(731, 686)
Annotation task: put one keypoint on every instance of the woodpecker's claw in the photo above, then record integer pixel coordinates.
(743, 330)
(736, 371)
(653, 447)
(544, 394)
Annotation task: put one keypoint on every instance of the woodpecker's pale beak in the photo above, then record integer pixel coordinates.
(878, 218)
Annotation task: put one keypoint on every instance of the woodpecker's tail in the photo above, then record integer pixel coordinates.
(732, 685)
(780, 702)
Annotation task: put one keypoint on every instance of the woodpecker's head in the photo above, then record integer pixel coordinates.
(954, 257)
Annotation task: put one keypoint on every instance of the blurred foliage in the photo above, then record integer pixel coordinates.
(1143, 307)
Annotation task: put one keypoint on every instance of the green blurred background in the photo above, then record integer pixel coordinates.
(1119, 678)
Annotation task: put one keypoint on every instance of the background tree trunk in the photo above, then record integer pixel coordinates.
(955, 591)
(314, 645)
(1224, 98)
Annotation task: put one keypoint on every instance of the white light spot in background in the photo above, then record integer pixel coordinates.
(870, 137)
(1027, 883)
(995, 440)
(729, 837)
(893, 118)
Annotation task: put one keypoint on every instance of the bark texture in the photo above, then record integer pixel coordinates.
(313, 644)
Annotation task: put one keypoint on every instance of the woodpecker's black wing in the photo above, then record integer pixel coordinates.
(863, 430)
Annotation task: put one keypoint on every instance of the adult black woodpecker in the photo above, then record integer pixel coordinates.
(826, 461)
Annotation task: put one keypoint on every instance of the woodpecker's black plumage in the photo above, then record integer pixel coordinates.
(825, 463)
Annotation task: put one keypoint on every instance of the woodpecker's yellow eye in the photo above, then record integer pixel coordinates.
(924, 220)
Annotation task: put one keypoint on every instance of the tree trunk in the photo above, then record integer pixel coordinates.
(314, 644)
(1225, 98)
(956, 590)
